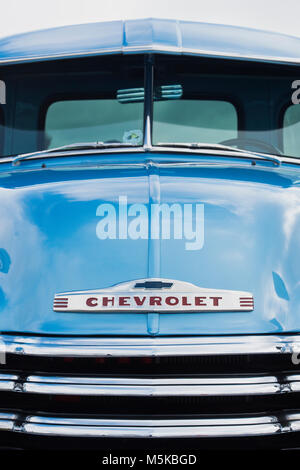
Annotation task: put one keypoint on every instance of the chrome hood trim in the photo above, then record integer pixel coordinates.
(149, 346)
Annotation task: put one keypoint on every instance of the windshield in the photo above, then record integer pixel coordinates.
(240, 104)
(63, 102)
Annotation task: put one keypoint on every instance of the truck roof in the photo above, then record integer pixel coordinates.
(150, 35)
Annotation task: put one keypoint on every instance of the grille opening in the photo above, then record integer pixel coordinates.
(149, 367)
(227, 364)
(139, 407)
(37, 443)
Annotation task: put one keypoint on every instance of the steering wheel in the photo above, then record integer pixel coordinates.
(254, 143)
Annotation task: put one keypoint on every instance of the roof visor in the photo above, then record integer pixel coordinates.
(151, 35)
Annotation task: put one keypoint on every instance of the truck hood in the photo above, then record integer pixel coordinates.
(249, 241)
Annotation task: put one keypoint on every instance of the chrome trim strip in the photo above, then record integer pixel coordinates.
(293, 421)
(293, 381)
(216, 427)
(206, 427)
(119, 431)
(148, 381)
(232, 421)
(152, 387)
(7, 421)
(162, 387)
(8, 416)
(149, 346)
(242, 155)
(8, 382)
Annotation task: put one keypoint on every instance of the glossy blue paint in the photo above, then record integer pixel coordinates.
(48, 241)
(146, 35)
(48, 234)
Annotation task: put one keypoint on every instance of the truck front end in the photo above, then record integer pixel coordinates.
(149, 245)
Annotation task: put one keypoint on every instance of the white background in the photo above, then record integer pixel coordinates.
(26, 15)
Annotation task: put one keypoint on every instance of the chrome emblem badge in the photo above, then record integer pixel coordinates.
(154, 295)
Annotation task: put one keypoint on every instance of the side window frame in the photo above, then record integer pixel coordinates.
(281, 127)
(2, 130)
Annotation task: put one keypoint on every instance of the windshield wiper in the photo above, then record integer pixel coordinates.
(206, 146)
(70, 147)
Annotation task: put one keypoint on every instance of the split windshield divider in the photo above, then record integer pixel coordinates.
(148, 100)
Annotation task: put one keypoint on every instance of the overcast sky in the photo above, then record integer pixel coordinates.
(27, 15)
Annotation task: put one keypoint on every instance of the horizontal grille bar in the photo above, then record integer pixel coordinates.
(8, 382)
(149, 347)
(141, 428)
(7, 421)
(151, 387)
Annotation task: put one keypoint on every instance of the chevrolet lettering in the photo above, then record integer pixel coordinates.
(128, 297)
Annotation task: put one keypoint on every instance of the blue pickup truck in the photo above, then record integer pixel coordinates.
(149, 236)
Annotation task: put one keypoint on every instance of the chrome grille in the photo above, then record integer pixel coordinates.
(108, 391)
